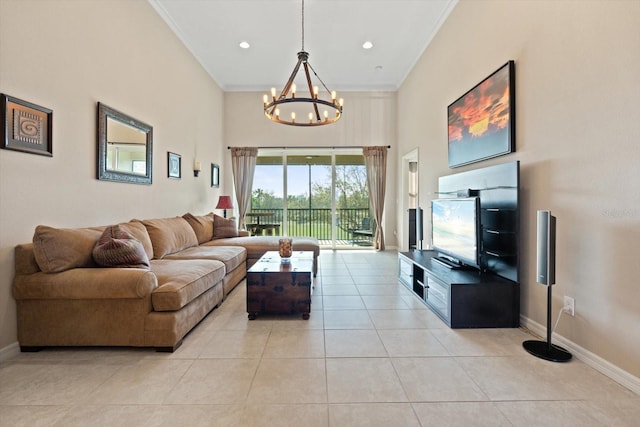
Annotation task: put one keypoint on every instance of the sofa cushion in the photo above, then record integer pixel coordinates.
(202, 225)
(257, 245)
(169, 235)
(180, 281)
(139, 232)
(25, 259)
(60, 249)
(231, 256)
(118, 248)
(223, 227)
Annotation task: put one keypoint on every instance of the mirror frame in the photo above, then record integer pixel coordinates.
(105, 174)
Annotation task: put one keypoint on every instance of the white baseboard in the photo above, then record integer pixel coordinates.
(617, 374)
(10, 351)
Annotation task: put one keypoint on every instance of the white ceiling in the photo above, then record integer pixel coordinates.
(335, 30)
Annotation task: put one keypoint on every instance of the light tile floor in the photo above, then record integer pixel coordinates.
(370, 355)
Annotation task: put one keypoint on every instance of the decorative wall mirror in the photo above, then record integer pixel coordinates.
(125, 147)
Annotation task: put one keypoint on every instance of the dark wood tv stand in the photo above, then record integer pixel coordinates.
(461, 298)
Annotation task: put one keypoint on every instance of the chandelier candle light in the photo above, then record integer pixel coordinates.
(301, 105)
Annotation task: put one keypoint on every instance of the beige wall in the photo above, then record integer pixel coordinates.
(578, 128)
(66, 56)
(578, 133)
(368, 119)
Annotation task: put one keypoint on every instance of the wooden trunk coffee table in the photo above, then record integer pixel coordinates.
(280, 288)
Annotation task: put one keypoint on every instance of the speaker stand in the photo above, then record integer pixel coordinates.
(546, 350)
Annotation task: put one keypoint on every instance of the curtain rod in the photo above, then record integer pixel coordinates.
(300, 147)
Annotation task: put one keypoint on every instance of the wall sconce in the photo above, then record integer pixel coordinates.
(196, 168)
(224, 202)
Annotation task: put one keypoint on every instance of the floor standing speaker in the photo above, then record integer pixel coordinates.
(546, 248)
(546, 275)
(415, 229)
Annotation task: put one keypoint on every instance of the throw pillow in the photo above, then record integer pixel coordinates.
(139, 232)
(118, 248)
(202, 226)
(60, 249)
(224, 228)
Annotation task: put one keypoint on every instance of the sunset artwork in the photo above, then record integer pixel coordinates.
(480, 123)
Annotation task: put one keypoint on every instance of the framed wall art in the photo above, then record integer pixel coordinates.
(215, 175)
(174, 165)
(25, 126)
(481, 123)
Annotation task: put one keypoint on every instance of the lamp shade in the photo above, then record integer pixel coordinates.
(224, 202)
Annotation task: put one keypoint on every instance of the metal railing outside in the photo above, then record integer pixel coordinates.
(317, 222)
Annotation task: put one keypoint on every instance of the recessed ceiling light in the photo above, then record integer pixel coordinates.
(367, 45)
(244, 45)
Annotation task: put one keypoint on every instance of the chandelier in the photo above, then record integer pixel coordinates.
(290, 109)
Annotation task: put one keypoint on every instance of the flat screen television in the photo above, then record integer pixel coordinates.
(455, 231)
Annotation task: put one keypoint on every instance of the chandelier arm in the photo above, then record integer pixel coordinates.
(287, 86)
(315, 105)
(318, 77)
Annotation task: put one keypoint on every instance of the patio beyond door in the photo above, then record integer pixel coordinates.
(318, 194)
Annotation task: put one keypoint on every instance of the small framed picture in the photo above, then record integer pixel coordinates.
(25, 126)
(215, 175)
(174, 165)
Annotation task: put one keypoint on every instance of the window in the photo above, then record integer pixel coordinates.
(319, 193)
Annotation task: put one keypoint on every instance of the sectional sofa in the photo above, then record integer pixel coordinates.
(144, 283)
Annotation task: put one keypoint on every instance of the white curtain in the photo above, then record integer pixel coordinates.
(243, 165)
(375, 159)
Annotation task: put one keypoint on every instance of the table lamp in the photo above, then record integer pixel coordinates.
(224, 202)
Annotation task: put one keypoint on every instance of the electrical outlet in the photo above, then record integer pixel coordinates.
(569, 306)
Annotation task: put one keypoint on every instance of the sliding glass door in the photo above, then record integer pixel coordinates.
(353, 218)
(319, 193)
(266, 212)
(309, 196)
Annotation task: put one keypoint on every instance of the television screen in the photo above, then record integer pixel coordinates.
(455, 228)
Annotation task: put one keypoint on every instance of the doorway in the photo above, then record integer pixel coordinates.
(410, 195)
(317, 192)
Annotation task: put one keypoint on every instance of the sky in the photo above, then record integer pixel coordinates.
(269, 178)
